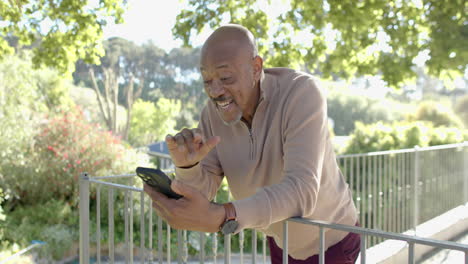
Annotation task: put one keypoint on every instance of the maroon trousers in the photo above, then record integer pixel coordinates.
(344, 252)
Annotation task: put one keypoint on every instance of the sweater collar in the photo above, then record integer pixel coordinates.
(266, 82)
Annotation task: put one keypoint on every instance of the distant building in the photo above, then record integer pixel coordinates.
(161, 152)
(158, 147)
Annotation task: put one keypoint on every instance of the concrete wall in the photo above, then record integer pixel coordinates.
(444, 227)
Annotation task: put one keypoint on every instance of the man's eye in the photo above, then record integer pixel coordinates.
(225, 79)
(207, 82)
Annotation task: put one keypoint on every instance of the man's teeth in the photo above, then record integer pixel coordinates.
(224, 104)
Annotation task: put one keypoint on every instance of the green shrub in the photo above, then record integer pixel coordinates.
(461, 109)
(401, 135)
(345, 109)
(437, 114)
(54, 222)
(42, 200)
(65, 147)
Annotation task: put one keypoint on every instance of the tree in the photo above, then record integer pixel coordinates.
(122, 74)
(27, 97)
(129, 71)
(345, 109)
(343, 36)
(60, 32)
(152, 122)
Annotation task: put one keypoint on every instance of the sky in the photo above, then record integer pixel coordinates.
(150, 20)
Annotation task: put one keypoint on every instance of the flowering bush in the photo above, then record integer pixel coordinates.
(65, 147)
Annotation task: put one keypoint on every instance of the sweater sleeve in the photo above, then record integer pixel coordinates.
(304, 136)
(207, 175)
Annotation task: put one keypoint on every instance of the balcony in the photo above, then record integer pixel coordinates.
(402, 196)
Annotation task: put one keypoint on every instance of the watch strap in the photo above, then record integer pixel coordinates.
(230, 212)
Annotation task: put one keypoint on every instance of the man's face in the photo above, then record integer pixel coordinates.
(230, 81)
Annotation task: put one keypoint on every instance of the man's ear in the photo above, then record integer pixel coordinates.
(258, 67)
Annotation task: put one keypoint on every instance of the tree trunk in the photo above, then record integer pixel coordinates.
(105, 115)
(115, 90)
(129, 93)
(107, 94)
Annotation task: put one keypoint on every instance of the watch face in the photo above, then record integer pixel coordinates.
(229, 227)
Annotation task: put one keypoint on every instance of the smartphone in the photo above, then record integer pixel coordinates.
(158, 180)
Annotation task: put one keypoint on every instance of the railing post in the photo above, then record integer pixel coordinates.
(465, 170)
(254, 246)
(321, 245)
(285, 242)
(227, 249)
(179, 246)
(241, 246)
(84, 218)
(202, 247)
(417, 172)
(410, 252)
(363, 248)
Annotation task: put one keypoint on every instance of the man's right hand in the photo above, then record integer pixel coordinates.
(188, 147)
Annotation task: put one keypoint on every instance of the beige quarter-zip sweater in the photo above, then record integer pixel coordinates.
(283, 166)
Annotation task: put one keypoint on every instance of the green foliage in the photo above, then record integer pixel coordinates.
(53, 222)
(437, 114)
(461, 108)
(129, 71)
(41, 197)
(346, 108)
(86, 99)
(65, 147)
(60, 32)
(356, 30)
(401, 135)
(154, 74)
(45, 144)
(152, 122)
(26, 95)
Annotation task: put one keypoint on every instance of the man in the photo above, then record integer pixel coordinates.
(266, 131)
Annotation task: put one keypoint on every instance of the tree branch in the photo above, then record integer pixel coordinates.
(99, 97)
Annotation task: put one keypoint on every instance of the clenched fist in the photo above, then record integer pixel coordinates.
(188, 147)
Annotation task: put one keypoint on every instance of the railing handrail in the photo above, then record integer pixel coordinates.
(117, 186)
(114, 176)
(408, 150)
(159, 154)
(122, 175)
(388, 235)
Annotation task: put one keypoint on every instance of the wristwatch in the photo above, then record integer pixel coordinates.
(230, 224)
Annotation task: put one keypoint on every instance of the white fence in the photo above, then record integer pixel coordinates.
(394, 191)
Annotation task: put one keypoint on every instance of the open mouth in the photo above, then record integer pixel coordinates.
(224, 104)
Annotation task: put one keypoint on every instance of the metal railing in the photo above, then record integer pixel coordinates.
(365, 232)
(395, 191)
(392, 191)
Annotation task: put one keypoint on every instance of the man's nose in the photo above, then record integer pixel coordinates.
(216, 89)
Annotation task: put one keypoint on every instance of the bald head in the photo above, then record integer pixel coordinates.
(231, 70)
(231, 40)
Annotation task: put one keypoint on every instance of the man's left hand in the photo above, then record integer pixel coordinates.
(191, 212)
